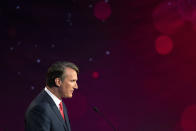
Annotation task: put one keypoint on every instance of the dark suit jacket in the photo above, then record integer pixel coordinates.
(43, 115)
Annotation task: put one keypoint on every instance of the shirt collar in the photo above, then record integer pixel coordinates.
(55, 99)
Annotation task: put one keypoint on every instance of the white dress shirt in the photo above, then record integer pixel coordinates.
(54, 98)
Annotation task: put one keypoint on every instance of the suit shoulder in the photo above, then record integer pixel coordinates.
(38, 104)
(42, 109)
(41, 106)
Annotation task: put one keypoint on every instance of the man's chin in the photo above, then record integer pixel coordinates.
(68, 96)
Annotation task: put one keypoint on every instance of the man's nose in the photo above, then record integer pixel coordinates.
(76, 86)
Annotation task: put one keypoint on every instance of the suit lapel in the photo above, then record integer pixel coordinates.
(66, 116)
(55, 109)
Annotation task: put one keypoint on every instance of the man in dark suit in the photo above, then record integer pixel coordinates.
(47, 112)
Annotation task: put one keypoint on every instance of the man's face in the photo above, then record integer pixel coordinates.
(69, 83)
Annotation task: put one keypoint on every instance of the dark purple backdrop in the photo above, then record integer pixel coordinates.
(121, 72)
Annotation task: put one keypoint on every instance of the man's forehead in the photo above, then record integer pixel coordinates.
(70, 72)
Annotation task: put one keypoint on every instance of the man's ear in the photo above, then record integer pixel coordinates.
(57, 81)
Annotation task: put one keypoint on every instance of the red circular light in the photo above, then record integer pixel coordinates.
(164, 45)
(167, 18)
(95, 75)
(102, 10)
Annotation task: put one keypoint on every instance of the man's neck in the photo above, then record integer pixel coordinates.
(54, 91)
